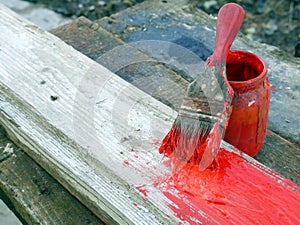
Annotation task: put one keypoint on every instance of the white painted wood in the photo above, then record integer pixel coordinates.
(91, 130)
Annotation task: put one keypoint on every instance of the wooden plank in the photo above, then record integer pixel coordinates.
(45, 196)
(33, 194)
(47, 199)
(146, 73)
(49, 60)
(96, 133)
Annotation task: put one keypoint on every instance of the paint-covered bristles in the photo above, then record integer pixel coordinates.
(186, 139)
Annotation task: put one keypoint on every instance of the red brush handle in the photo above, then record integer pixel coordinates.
(230, 18)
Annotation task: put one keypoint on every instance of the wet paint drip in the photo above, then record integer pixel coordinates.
(231, 191)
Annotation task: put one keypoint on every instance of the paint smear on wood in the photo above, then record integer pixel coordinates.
(231, 191)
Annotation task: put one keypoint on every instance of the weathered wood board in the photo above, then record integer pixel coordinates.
(35, 196)
(91, 130)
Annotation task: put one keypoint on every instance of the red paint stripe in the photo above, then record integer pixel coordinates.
(233, 192)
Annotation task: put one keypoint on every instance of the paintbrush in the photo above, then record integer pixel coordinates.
(196, 134)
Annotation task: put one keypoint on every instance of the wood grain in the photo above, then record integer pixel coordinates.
(33, 194)
(90, 129)
(35, 57)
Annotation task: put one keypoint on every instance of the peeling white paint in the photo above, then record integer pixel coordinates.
(251, 103)
(8, 149)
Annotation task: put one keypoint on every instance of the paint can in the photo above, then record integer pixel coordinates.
(247, 74)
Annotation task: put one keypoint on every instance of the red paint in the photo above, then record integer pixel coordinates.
(142, 189)
(232, 191)
(247, 74)
(136, 205)
(126, 163)
(174, 144)
(156, 142)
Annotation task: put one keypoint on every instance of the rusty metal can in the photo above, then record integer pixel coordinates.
(247, 74)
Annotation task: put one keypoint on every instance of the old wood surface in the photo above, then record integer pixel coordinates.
(33, 194)
(49, 196)
(40, 116)
(48, 122)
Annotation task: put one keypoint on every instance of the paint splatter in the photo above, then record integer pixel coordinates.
(156, 142)
(142, 189)
(136, 205)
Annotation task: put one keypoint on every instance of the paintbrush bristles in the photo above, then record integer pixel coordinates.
(202, 108)
(188, 134)
(185, 142)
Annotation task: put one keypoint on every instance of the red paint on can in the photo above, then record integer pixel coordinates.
(247, 75)
(232, 191)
